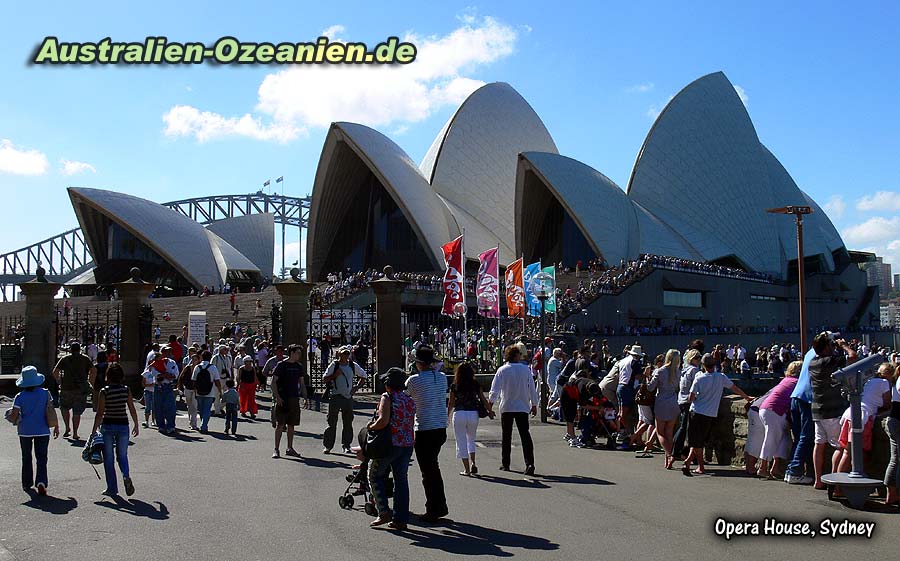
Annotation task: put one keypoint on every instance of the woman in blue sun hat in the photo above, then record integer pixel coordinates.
(33, 414)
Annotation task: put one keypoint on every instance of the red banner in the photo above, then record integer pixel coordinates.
(454, 282)
(487, 287)
(515, 289)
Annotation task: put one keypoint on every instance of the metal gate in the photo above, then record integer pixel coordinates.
(13, 328)
(332, 328)
(85, 325)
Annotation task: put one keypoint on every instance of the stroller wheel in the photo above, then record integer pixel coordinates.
(371, 510)
(345, 502)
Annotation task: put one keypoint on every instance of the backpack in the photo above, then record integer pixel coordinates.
(203, 384)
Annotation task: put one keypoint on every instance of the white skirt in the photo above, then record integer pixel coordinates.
(756, 433)
(777, 440)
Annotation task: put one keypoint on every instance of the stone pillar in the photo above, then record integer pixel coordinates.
(294, 308)
(40, 334)
(133, 294)
(388, 324)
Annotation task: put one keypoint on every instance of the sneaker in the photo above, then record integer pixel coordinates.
(292, 452)
(276, 454)
(798, 479)
(529, 470)
(41, 489)
(326, 451)
(129, 486)
(144, 424)
(567, 437)
(347, 450)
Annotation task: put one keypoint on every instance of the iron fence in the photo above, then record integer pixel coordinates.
(332, 328)
(85, 325)
(13, 328)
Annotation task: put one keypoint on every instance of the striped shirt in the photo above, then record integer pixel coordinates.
(429, 392)
(116, 402)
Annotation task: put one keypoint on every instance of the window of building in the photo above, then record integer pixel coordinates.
(682, 299)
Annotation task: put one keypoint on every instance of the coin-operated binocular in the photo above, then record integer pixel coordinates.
(856, 486)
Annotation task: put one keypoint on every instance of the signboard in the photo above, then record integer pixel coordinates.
(196, 328)
(10, 359)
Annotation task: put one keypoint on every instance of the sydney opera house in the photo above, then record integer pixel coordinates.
(699, 190)
(172, 250)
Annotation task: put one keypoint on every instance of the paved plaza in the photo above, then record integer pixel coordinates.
(219, 498)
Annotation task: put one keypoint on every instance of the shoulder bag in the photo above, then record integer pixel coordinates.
(378, 442)
(52, 420)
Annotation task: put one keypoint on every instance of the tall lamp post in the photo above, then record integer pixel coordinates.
(542, 286)
(798, 212)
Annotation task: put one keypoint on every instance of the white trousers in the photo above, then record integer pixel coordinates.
(465, 423)
(777, 441)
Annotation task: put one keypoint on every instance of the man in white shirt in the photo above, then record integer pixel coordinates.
(223, 363)
(342, 373)
(514, 388)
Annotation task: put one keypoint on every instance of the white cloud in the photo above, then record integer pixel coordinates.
(655, 110)
(874, 231)
(742, 93)
(640, 88)
(71, 167)
(332, 32)
(304, 96)
(20, 161)
(835, 207)
(880, 201)
(184, 120)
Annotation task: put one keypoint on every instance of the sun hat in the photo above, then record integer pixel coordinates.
(248, 358)
(29, 377)
(394, 377)
(636, 350)
(345, 349)
(423, 353)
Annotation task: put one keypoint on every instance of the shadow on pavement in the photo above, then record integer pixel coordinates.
(53, 505)
(730, 473)
(236, 438)
(318, 463)
(524, 483)
(461, 538)
(576, 479)
(184, 436)
(136, 508)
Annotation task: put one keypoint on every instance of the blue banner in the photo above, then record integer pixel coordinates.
(534, 305)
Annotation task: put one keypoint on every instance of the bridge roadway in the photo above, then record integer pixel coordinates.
(212, 497)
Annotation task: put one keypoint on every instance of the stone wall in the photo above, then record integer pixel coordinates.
(729, 435)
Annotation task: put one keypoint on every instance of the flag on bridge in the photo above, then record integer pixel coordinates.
(550, 305)
(487, 285)
(515, 291)
(454, 281)
(534, 305)
(280, 179)
(266, 184)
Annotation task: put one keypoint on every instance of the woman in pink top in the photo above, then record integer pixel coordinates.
(773, 412)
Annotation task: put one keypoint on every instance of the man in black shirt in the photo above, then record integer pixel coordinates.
(287, 388)
(828, 404)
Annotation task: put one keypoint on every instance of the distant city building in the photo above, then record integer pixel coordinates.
(896, 282)
(878, 273)
(890, 315)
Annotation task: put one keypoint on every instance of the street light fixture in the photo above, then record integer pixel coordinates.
(798, 212)
(543, 287)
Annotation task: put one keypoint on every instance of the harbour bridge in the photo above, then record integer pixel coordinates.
(65, 255)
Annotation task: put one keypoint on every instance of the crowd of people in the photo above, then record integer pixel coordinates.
(666, 405)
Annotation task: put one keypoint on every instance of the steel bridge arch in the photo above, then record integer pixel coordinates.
(66, 255)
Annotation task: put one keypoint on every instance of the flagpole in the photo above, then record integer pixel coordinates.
(497, 275)
(465, 303)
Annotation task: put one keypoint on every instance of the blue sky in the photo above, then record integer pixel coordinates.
(819, 78)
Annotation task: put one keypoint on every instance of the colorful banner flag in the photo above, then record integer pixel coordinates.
(550, 305)
(487, 287)
(534, 305)
(454, 282)
(515, 290)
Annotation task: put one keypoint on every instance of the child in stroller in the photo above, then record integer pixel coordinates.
(358, 480)
(598, 418)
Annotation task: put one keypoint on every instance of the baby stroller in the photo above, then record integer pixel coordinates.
(358, 481)
(595, 424)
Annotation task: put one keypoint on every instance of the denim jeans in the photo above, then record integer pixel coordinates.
(231, 418)
(398, 463)
(802, 431)
(115, 441)
(39, 444)
(204, 404)
(164, 407)
(148, 405)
